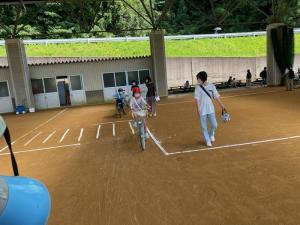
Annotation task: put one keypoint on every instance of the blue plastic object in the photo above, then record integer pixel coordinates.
(27, 202)
(20, 109)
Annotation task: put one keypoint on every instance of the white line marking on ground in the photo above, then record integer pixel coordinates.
(132, 130)
(114, 129)
(111, 122)
(50, 136)
(157, 142)
(64, 135)
(80, 136)
(52, 118)
(7, 146)
(43, 149)
(39, 126)
(98, 132)
(235, 145)
(230, 96)
(34, 137)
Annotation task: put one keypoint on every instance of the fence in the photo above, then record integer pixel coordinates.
(126, 39)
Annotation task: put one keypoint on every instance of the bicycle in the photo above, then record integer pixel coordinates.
(120, 108)
(140, 122)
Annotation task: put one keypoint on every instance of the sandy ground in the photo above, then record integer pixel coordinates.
(252, 177)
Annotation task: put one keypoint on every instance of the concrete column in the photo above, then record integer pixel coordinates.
(158, 54)
(274, 73)
(19, 72)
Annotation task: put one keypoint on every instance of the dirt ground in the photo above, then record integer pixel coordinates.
(250, 176)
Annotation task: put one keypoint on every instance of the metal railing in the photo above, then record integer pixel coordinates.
(127, 39)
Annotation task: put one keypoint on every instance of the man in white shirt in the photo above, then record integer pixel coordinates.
(205, 93)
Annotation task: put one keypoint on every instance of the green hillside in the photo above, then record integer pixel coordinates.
(223, 47)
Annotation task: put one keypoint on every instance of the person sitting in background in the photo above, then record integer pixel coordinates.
(234, 83)
(229, 82)
(248, 78)
(187, 85)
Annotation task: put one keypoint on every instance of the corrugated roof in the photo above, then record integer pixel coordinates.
(37, 61)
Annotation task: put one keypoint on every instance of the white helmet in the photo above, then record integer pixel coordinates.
(225, 116)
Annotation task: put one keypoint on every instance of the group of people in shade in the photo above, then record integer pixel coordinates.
(288, 77)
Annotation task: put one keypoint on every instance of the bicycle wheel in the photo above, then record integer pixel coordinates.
(142, 137)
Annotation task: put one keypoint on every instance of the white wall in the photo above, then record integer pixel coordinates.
(91, 71)
(180, 70)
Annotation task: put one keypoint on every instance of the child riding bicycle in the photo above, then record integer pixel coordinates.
(139, 108)
(120, 101)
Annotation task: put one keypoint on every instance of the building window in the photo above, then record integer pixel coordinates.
(121, 79)
(4, 89)
(76, 83)
(37, 86)
(133, 75)
(109, 80)
(50, 85)
(143, 74)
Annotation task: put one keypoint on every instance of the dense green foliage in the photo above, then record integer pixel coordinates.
(250, 46)
(88, 18)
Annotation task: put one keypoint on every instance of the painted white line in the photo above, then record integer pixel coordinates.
(235, 145)
(98, 132)
(64, 135)
(50, 136)
(52, 118)
(39, 126)
(7, 146)
(132, 130)
(80, 136)
(157, 142)
(34, 137)
(42, 149)
(111, 122)
(114, 129)
(230, 96)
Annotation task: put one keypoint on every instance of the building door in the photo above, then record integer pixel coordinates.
(51, 93)
(63, 90)
(45, 93)
(77, 91)
(38, 93)
(5, 98)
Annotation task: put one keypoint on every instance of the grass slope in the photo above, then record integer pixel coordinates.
(223, 47)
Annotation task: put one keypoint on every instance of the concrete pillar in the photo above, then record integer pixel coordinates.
(19, 72)
(158, 54)
(274, 74)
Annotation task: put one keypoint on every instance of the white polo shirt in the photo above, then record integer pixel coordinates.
(205, 104)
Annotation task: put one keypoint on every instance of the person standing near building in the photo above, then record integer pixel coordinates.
(248, 78)
(205, 93)
(151, 96)
(263, 74)
(290, 75)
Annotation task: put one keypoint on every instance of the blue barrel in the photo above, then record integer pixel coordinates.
(23, 201)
